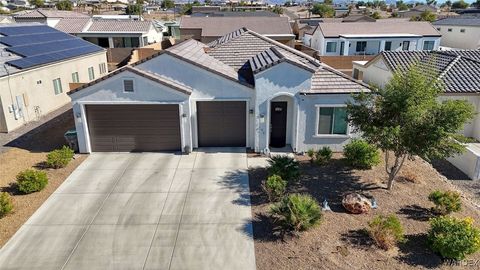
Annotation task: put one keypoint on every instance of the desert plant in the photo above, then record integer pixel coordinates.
(360, 154)
(311, 154)
(6, 205)
(275, 187)
(386, 231)
(324, 155)
(297, 212)
(411, 176)
(59, 158)
(445, 202)
(453, 238)
(284, 166)
(29, 181)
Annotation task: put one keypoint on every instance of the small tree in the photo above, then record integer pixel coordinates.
(459, 4)
(168, 4)
(323, 10)
(36, 3)
(426, 16)
(64, 5)
(405, 119)
(133, 9)
(376, 15)
(277, 9)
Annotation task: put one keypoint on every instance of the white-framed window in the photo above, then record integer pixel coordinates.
(361, 46)
(75, 78)
(462, 30)
(331, 47)
(331, 120)
(57, 86)
(128, 85)
(103, 68)
(91, 74)
(428, 45)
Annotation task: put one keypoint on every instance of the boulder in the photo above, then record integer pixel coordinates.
(356, 204)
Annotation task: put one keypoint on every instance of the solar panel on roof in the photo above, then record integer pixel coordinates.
(34, 38)
(26, 30)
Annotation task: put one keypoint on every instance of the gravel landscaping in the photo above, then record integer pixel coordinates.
(339, 242)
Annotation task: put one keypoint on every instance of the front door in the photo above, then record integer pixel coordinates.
(278, 124)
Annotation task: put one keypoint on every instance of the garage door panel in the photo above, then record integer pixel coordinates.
(134, 127)
(221, 123)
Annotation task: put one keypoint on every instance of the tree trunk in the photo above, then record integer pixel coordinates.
(393, 171)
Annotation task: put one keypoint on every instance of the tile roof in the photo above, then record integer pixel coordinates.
(72, 25)
(51, 13)
(460, 20)
(194, 52)
(119, 26)
(329, 81)
(459, 70)
(381, 27)
(219, 26)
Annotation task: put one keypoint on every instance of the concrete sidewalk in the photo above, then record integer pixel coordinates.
(143, 211)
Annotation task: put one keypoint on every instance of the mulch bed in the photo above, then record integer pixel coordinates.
(339, 242)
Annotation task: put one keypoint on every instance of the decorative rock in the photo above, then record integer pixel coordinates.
(374, 203)
(325, 206)
(356, 203)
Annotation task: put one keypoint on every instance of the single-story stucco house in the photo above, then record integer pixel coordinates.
(244, 90)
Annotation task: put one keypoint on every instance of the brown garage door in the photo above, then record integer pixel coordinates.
(221, 123)
(125, 128)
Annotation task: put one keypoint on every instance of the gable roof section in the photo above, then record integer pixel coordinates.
(219, 26)
(327, 80)
(120, 26)
(148, 75)
(460, 21)
(72, 25)
(270, 58)
(382, 27)
(459, 70)
(50, 13)
(237, 48)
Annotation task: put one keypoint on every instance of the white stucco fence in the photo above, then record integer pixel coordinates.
(469, 161)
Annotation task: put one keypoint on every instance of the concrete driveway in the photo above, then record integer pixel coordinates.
(143, 211)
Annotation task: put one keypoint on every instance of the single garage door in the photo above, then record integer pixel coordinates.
(125, 128)
(221, 123)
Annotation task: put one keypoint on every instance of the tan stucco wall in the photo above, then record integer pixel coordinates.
(456, 39)
(35, 87)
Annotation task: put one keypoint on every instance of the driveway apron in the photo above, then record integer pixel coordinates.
(143, 211)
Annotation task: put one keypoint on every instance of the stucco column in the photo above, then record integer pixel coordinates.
(346, 47)
(110, 42)
(382, 46)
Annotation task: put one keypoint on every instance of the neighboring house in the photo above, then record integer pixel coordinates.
(300, 26)
(6, 19)
(37, 65)
(417, 11)
(207, 29)
(370, 38)
(460, 73)
(113, 33)
(260, 13)
(243, 90)
(462, 32)
(49, 17)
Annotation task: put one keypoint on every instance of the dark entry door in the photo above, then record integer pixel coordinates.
(278, 123)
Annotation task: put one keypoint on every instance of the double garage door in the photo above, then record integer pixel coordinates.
(126, 128)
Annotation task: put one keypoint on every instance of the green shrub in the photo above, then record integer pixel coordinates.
(386, 231)
(30, 181)
(453, 238)
(6, 205)
(59, 158)
(297, 212)
(324, 155)
(445, 202)
(311, 154)
(275, 187)
(360, 154)
(285, 167)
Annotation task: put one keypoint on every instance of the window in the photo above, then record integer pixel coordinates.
(449, 30)
(361, 45)
(75, 78)
(331, 46)
(428, 45)
(128, 85)
(57, 86)
(91, 74)
(102, 67)
(145, 41)
(406, 45)
(332, 121)
(462, 30)
(388, 46)
(126, 42)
